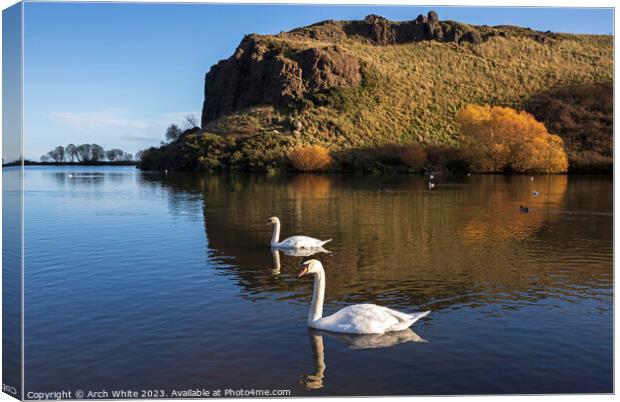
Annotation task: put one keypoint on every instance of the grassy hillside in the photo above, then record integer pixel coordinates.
(411, 92)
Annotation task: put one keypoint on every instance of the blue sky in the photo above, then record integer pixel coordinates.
(118, 74)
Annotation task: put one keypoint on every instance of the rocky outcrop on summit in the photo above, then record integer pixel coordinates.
(381, 31)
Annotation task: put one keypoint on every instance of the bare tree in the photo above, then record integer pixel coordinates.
(59, 151)
(114, 154)
(190, 121)
(128, 157)
(139, 154)
(173, 133)
(83, 153)
(97, 152)
(57, 155)
(71, 152)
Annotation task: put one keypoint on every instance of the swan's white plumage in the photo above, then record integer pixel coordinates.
(355, 319)
(301, 242)
(367, 319)
(293, 242)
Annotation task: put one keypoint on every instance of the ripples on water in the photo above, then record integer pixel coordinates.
(148, 281)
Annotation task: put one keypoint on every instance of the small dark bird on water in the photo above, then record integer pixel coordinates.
(523, 209)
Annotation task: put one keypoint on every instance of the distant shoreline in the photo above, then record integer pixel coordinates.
(98, 163)
(135, 163)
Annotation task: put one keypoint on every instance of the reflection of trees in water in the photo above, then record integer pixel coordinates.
(499, 216)
(463, 242)
(85, 178)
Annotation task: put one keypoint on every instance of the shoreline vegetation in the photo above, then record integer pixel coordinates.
(379, 96)
(81, 155)
(493, 139)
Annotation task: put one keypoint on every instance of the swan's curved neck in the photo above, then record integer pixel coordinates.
(276, 233)
(316, 308)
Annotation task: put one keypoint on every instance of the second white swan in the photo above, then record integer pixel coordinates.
(355, 319)
(293, 242)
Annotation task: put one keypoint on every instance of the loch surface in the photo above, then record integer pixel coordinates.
(145, 281)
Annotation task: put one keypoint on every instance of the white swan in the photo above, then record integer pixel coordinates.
(355, 319)
(295, 242)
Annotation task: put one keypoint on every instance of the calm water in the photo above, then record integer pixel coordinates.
(144, 281)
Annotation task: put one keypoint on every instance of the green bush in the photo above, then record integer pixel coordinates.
(263, 151)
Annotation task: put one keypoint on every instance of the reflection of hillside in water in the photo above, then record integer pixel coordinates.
(464, 241)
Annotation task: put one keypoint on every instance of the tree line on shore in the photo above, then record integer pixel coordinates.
(92, 153)
(86, 153)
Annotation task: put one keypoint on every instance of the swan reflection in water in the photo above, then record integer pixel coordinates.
(354, 341)
(307, 252)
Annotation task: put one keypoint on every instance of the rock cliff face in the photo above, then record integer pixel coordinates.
(264, 71)
(259, 74)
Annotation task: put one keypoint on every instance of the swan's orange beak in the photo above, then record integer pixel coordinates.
(303, 271)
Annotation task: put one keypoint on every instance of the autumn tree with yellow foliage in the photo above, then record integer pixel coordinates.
(501, 139)
(310, 158)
